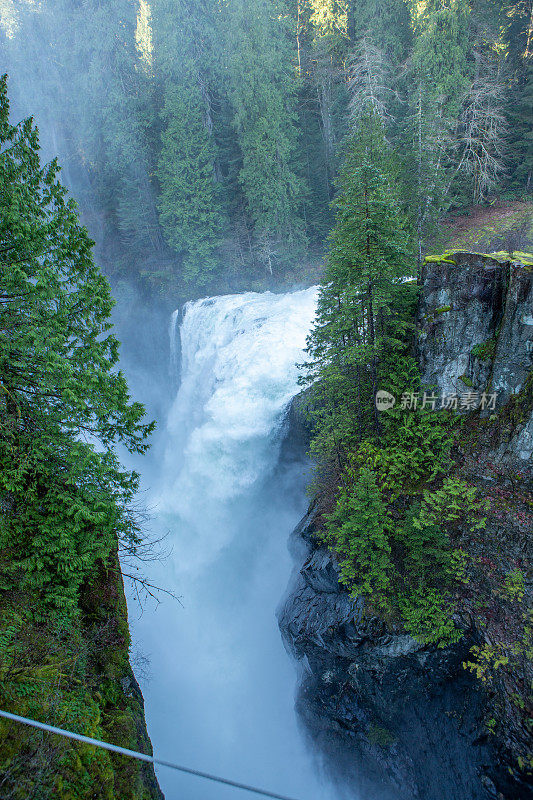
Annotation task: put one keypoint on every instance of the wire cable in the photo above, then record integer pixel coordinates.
(140, 756)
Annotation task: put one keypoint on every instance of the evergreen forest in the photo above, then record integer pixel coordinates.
(203, 138)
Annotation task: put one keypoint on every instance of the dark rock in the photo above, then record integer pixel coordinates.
(393, 718)
(476, 331)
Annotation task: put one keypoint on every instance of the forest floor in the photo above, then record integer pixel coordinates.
(503, 225)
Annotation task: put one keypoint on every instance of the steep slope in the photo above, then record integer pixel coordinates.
(402, 719)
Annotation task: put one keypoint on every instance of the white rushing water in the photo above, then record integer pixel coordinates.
(221, 693)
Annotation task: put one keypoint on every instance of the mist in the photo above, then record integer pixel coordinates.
(220, 687)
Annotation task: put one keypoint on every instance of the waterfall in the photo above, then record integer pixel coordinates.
(221, 692)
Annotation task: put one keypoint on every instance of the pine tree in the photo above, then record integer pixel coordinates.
(521, 128)
(64, 51)
(368, 257)
(262, 93)
(438, 83)
(387, 26)
(517, 24)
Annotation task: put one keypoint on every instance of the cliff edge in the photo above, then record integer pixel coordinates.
(392, 717)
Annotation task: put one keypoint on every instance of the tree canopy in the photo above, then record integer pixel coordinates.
(232, 118)
(65, 404)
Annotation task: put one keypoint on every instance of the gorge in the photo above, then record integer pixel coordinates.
(379, 712)
(266, 458)
(220, 695)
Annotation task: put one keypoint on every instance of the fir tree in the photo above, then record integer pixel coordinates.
(438, 83)
(262, 93)
(521, 128)
(367, 260)
(189, 204)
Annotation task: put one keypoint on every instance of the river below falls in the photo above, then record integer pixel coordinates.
(220, 687)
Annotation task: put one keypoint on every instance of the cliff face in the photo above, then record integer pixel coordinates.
(395, 718)
(78, 678)
(476, 333)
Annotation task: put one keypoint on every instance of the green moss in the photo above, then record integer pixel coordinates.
(377, 734)
(524, 258)
(443, 258)
(73, 677)
(516, 411)
(442, 310)
(485, 351)
(502, 256)
(466, 380)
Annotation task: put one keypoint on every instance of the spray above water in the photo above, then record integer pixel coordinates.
(238, 374)
(221, 695)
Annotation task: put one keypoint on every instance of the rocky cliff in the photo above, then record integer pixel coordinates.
(391, 717)
(78, 678)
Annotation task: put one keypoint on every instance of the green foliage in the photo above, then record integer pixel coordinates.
(189, 204)
(377, 734)
(262, 94)
(455, 500)
(486, 350)
(269, 94)
(427, 616)
(382, 507)
(357, 531)
(65, 499)
(356, 323)
(514, 586)
(390, 533)
(72, 679)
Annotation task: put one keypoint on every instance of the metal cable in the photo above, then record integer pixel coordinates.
(140, 756)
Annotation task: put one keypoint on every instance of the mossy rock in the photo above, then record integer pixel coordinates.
(485, 351)
(377, 734)
(444, 258)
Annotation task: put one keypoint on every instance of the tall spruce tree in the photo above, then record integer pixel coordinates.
(367, 260)
(262, 92)
(65, 406)
(438, 83)
(518, 38)
(189, 203)
(77, 67)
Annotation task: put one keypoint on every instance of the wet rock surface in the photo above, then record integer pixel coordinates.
(390, 718)
(476, 332)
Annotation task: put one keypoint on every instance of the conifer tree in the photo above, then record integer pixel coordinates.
(521, 130)
(189, 204)
(438, 84)
(65, 499)
(518, 38)
(262, 93)
(386, 25)
(368, 257)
